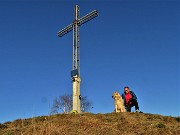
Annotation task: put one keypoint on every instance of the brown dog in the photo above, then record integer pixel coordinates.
(118, 102)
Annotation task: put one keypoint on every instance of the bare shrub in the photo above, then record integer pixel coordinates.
(64, 104)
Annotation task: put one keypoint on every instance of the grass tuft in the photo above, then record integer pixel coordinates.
(160, 125)
(177, 119)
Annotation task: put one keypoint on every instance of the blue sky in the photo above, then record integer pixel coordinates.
(131, 43)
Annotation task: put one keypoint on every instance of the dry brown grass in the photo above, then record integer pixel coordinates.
(94, 124)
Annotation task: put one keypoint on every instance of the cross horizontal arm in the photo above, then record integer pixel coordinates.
(88, 17)
(80, 21)
(65, 30)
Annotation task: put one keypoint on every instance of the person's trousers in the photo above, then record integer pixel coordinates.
(134, 103)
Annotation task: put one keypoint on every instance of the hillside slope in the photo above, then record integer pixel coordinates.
(94, 124)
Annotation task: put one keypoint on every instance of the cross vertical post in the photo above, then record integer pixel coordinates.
(76, 48)
(75, 73)
(76, 67)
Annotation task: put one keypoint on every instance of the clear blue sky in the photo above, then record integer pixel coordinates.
(131, 43)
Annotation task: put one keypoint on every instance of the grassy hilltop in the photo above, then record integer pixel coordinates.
(94, 124)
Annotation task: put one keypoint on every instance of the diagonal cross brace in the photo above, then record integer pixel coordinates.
(81, 21)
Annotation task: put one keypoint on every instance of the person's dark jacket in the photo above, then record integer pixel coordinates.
(134, 97)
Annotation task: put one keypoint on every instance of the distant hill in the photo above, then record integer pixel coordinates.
(94, 124)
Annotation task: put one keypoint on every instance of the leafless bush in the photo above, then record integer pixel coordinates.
(64, 104)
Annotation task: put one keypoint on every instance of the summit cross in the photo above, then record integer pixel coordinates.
(75, 73)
